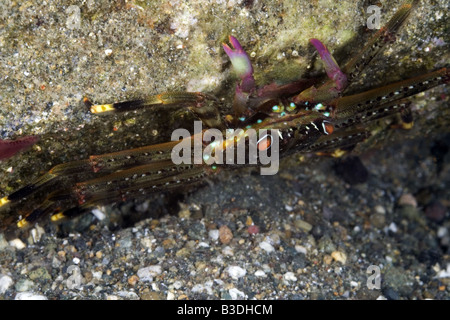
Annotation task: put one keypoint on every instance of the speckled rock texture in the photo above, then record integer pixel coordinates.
(316, 235)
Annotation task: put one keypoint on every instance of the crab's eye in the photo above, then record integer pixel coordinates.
(264, 143)
(327, 127)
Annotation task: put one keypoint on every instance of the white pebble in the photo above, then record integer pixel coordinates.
(236, 272)
(260, 273)
(393, 227)
(108, 52)
(170, 296)
(76, 260)
(17, 243)
(237, 294)
(100, 215)
(380, 209)
(29, 296)
(147, 273)
(227, 251)
(266, 246)
(203, 245)
(214, 234)
(5, 283)
(289, 276)
(301, 249)
(442, 232)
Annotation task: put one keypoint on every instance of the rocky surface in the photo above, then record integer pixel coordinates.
(305, 233)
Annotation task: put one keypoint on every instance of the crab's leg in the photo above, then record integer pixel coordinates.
(202, 105)
(338, 140)
(127, 184)
(367, 100)
(66, 174)
(132, 184)
(378, 41)
(340, 79)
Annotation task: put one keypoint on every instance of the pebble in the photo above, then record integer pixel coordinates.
(378, 220)
(407, 199)
(3, 242)
(436, 211)
(152, 296)
(289, 276)
(24, 285)
(339, 256)
(17, 243)
(5, 283)
(236, 272)
(303, 225)
(301, 249)
(197, 231)
(133, 280)
(266, 246)
(228, 251)
(39, 274)
(253, 229)
(236, 294)
(214, 234)
(260, 273)
(225, 234)
(147, 273)
(29, 296)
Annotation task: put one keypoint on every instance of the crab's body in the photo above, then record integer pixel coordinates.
(309, 116)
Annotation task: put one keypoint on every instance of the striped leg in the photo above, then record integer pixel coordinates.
(203, 106)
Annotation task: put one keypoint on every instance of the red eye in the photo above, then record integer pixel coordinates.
(264, 143)
(328, 128)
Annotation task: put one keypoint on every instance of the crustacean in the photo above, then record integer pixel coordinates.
(305, 116)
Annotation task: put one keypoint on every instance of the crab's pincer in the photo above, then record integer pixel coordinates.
(241, 64)
(331, 66)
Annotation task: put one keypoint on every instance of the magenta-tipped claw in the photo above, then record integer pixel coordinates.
(331, 66)
(241, 64)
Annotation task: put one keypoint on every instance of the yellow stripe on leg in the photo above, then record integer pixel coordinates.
(22, 223)
(57, 217)
(99, 108)
(4, 201)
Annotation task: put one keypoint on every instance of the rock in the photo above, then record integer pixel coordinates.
(236, 272)
(303, 225)
(197, 231)
(339, 256)
(407, 199)
(225, 234)
(147, 273)
(5, 283)
(29, 296)
(39, 274)
(436, 211)
(266, 246)
(378, 220)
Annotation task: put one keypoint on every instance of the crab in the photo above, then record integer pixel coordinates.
(305, 116)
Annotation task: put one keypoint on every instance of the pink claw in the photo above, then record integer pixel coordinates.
(8, 148)
(241, 64)
(331, 67)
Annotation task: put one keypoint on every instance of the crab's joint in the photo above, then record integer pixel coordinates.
(331, 66)
(241, 64)
(100, 108)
